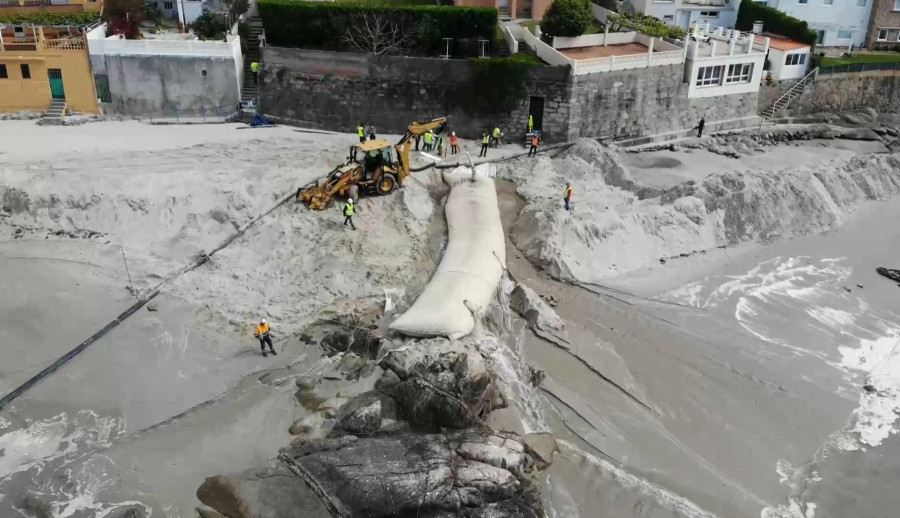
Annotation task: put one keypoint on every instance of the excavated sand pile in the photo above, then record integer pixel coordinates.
(292, 264)
(611, 231)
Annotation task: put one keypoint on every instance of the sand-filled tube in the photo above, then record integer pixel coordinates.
(472, 265)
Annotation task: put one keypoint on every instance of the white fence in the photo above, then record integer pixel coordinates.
(545, 52)
(594, 40)
(511, 40)
(591, 66)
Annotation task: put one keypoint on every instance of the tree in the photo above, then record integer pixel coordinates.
(376, 34)
(208, 26)
(567, 18)
(123, 17)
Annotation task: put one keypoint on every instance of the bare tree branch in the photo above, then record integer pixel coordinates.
(376, 34)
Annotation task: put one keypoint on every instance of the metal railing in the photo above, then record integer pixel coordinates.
(859, 67)
(67, 44)
(785, 100)
(198, 115)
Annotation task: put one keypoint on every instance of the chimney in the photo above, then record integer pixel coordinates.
(757, 27)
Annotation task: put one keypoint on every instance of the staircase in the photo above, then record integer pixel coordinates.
(785, 100)
(57, 111)
(250, 89)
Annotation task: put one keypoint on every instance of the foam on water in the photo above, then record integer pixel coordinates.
(68, 446)
(781, 299)
(505, 355)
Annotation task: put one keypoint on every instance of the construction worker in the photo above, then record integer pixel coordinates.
(349, 211)
(454, 143)
(530, 123)
(361, 132)
(440, 145)
(262, 333)
(497, 136)
(429, 140)
(535, 142)
(485, 141)
(567, 196)
(254, 69)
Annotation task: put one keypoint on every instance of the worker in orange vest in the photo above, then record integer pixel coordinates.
(262, 333)
(535, 142)
(567, 196)
(454, 143)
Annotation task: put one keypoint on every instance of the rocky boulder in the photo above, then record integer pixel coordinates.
(420, 474)
(539, 315)
(271, 492)
(541, 447)
(368, 413)
(443, 383)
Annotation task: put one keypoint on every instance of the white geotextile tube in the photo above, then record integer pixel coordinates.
(472, 265)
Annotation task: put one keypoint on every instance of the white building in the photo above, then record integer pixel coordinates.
(685, 13)
(838, 23)
(185, 11)
(788, 59)
(724, 61)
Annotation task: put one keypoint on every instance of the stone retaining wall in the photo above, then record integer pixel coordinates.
(337, 91)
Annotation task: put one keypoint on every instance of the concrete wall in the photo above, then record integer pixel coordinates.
(338, 90)
(143, 84)
(631, 103)
(151, 77)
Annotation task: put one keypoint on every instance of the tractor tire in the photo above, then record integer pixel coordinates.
(386, 184)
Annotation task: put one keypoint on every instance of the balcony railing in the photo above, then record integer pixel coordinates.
(35, 40)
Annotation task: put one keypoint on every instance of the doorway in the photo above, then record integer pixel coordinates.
(536, 110)
(684, 20)
(56, 83)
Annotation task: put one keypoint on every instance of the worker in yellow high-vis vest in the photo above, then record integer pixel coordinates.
(567, 196)
(254, 69)
(262, 334)
(361, 131)
(485, 142)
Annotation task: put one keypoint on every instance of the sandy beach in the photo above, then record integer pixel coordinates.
(715, 320)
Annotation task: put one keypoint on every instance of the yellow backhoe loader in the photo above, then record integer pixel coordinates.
(374, 166)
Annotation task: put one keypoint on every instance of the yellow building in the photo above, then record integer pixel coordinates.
(42, 64)
(11, 7)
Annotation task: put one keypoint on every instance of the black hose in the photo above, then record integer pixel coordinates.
(204, 257)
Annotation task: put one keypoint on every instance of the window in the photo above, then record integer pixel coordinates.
(898, 35)
(709, 14)
(897, 5)
(802, 2)
(795, 59)
(710, 76)
(882, 35)
(820, 37)
(763, 3)
(26, 72)
(827, 2)
(3, 73)
(739, 73)
(845, 35)
(168, 6)
(203, 72)
(669, 17)
(860, 3)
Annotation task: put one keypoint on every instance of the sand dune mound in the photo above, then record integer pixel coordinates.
(612, 231)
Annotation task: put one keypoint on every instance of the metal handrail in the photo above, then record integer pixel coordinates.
(800, 84)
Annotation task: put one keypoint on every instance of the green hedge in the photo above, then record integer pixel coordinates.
(500, 82)
(290, 23)
(48, 18)
(646, 24)
(774, 21)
